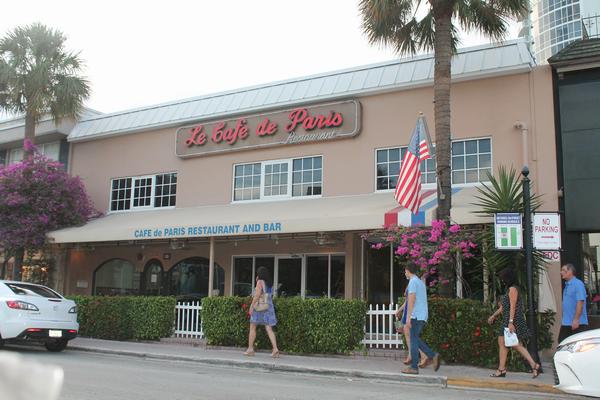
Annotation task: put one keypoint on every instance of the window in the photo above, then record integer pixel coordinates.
(299, 177)
(307, 178)
(143, 192)
(24, 289)
(471, 160)
(325, 276)
(388, 168)
(50, 150)
(116, 277)
(189, 277)
(166, 188)
(309, 276)
(247, 182)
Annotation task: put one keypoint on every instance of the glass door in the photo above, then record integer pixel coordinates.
(289, 276)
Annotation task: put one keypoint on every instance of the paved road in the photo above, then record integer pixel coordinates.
(90, 376)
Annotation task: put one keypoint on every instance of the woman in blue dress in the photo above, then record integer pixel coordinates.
(264, 284)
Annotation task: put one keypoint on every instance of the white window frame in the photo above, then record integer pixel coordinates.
(263, 166)
(289, 196)
(426, 186)
(133, 208)
(433, 185)
(478, 183)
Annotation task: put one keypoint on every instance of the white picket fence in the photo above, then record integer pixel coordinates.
(188, 320)
(379, 328)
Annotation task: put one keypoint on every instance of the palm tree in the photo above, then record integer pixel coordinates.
(394, 22)
(504, 193)
(39, 77)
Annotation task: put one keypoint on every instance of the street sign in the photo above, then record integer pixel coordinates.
(508, 230)
(546, 231)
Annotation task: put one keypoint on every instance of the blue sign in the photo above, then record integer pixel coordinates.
(207, 230)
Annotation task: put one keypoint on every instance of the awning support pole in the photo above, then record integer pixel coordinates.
(211, 266)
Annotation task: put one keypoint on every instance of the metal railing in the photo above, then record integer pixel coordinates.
(591, 27)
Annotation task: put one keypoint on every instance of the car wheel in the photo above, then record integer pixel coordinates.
(57, 345)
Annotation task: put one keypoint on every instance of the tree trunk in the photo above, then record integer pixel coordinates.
(29, 134)
(441, 88)
(18, 263)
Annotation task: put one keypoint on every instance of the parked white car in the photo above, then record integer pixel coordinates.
(30, 312)
(577, 362)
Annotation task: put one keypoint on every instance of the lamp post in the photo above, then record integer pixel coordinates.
(528, 242)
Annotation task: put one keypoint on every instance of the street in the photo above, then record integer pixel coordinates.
(90, 376)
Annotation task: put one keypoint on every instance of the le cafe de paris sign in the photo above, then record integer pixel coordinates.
(296, 125)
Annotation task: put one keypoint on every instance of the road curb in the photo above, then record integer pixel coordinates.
(503, 385)
(427, 380)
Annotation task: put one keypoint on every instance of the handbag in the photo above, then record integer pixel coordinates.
(510, 338)
(263, 302)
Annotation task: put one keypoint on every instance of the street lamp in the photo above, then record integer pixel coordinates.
(528, 242)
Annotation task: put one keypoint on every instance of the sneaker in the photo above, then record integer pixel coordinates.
(410, 371)
(436, 362)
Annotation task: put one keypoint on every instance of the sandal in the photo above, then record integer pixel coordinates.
(536, 371)
(249, 353)
(407, 361)
(425, 362)
(500, 373)
(275, 354)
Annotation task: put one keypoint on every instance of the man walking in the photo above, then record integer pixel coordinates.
(574, 315)
(416, 319)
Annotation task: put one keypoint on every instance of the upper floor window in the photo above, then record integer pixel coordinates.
(388, 167)
(298, 177)
(143, 192)
(50, 150)
(471, 161)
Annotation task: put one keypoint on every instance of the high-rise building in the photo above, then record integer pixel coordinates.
(553, 24)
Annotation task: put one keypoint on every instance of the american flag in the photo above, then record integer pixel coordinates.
(408, 189)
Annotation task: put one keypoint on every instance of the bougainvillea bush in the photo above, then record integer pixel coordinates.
(433, 248)
(37, 195)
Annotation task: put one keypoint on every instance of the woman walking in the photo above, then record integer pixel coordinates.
(261, 313)
(513, 319)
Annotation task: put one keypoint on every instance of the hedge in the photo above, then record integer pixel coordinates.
(124, 318)
(459, 331)
(304, 325)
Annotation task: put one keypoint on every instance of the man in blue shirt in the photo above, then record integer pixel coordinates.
(417, 317)
(574, 315)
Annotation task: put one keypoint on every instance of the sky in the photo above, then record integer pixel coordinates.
(140, 53)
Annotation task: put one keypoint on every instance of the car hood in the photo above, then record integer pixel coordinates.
(594, 333)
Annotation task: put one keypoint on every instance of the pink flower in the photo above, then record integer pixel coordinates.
(454, 228)
(401, 251)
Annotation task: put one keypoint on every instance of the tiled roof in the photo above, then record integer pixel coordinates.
(470, 63)
(578, 51)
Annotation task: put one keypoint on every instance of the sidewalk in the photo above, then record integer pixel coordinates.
(354, 366)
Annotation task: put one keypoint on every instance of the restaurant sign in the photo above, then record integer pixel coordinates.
(301, 124)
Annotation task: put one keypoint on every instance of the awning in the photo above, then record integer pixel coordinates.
(326, 214)
(462, 211)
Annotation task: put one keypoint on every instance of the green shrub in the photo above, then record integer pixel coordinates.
(304, 326)
(458, 330)
(125, 317)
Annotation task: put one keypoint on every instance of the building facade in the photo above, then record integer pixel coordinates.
(289, 175)
(556, 23)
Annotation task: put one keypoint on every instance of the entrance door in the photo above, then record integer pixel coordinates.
(289, 276)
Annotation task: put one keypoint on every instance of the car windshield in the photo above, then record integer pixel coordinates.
(24, 289)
